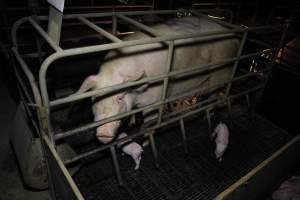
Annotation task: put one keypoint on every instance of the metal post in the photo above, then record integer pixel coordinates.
(54, 24)
(114, 24)
(166, 80)
(207, 112)
(236, 63)
(248, 100)
(116, 164)
(153, 148)
(182, 128)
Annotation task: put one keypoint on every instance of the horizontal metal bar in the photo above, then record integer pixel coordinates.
(127, 13)
(140, 25)
(259, 42)
(178, 73)
(94, 7)
(146, 131)
(110, 14)
(224, 23)
(155, 105)
(213, 4)
(98, 29)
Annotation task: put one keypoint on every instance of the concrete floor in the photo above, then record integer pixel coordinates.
(11, 185)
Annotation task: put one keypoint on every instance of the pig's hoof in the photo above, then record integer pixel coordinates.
(136, 167)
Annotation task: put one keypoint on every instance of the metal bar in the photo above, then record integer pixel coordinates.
(54, 24)
(44, 35)
(146, 132)
(109, 14)
(62, 167)
(166, 80)
(139, 25)
(98, 123)
(116, 164)
(212, 4)
(153, 148)
(34, 87)
(237, 61)
(224, 23)
(23, 86)
(229, 105)
(184, 72)
(207, 112)
(182, 128)
(12, 9)
(99, 30)
(114, 25)
(248, 100)
(14, 29)
(29, 76)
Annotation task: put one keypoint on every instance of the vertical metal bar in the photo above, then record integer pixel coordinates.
(182, 128)
(236, 63)
(116, 164)
(207, 111)
(280, 44)
(166, 80)
(229, 104)
(114, 25)
(153, 4)
(248, 99)
(229, 110)
(54, 24)
(153, 148)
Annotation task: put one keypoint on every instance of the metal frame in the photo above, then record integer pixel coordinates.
(44, 105)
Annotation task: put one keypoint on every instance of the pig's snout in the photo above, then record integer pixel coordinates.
(107, 132)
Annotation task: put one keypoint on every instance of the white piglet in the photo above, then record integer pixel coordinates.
(132, 149)
(221, 133)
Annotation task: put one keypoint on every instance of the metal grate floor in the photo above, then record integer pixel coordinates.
(194, 176)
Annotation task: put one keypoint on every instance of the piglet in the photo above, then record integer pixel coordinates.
(133, 149)
(221, 134)
(289, 189)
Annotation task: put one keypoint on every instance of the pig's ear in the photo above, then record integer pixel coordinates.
(141, 88)
(119, 99)
(89, 83)
(132, 73)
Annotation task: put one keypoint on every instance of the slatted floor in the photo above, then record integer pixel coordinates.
(194, 176)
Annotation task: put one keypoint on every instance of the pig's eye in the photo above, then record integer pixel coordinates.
(119, 99)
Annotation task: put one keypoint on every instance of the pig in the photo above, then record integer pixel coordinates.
(132, 149)
(136, 62)
(289, 189)
(221, 134)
